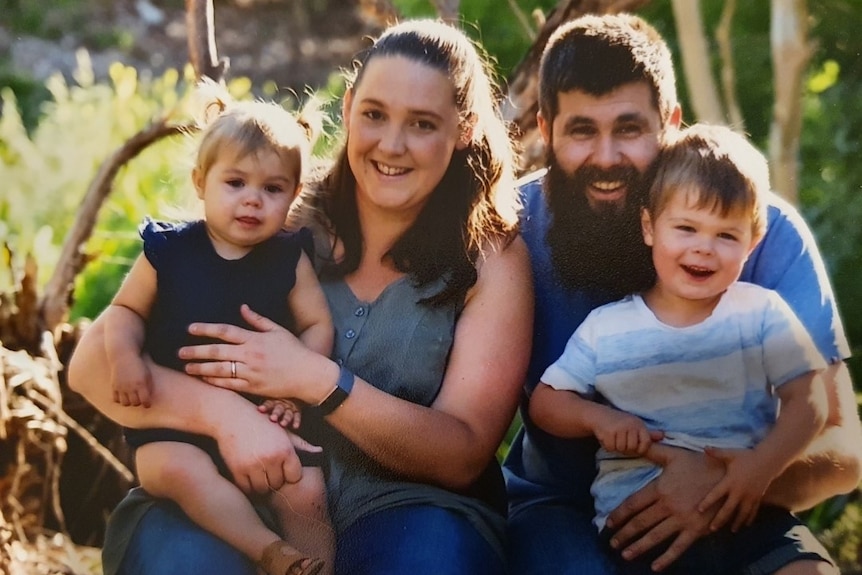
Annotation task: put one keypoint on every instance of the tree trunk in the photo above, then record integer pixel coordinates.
(696, 62)
(521, 102)
(203, 54)
(791, 52)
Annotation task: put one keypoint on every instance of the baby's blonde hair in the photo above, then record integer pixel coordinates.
(252, 126)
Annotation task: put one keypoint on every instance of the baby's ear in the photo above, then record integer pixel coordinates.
(198, 180)
(646, 227)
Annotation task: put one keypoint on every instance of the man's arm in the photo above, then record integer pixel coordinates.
(832, 464)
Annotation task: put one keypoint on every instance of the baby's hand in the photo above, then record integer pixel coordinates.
(625, 433)
(742, 488)
(132, 383)
(284, 412)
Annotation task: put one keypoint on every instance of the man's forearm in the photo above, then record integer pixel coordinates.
(832, 464)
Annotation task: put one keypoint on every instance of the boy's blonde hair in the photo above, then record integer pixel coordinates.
(252, 126)
(728, 174)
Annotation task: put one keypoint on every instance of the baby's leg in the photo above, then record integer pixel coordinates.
(302, 510)
(808, 567)
(187, 475)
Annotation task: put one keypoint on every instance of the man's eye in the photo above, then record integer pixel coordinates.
(629, 130)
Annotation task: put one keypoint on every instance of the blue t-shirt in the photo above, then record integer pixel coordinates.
(541, 467)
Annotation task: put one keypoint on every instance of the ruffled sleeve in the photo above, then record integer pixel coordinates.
(156, 235)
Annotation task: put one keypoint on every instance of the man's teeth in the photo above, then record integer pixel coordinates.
(390, 170)
(607, 186)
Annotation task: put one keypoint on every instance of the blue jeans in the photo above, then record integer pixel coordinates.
(552, 537)
(415, 540)
(166, 542)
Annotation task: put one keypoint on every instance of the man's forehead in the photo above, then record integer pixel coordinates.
(629, 101)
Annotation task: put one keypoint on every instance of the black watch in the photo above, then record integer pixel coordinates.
(337, 396)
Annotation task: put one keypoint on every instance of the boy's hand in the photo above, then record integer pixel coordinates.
(625, 433)
(284, 412)
(742, 488)
(132, 383)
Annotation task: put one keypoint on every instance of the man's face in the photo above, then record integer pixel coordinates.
(604, 144)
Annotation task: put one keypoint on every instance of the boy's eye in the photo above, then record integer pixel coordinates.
(727, 236)
(685, 228)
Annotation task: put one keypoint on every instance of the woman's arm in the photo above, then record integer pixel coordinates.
(449, 443)
(258, 453)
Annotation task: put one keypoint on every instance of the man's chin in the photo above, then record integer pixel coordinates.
(607, 204)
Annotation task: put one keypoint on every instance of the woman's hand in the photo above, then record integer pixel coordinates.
(269, 362)
(260, 455)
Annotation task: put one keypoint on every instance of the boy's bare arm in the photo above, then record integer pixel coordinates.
(803, 411)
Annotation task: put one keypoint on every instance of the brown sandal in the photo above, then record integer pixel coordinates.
(280, 558)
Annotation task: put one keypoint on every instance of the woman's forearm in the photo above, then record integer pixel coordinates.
(178, 399)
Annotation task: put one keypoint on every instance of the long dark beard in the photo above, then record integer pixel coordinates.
(599, 252)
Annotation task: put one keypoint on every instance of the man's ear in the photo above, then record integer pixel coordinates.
(198, 179)
(646, 227)
(544, 128)
(675, 119)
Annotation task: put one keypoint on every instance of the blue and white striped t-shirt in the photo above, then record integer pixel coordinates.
(709, 384)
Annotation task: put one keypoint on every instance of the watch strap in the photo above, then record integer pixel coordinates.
(340, 392)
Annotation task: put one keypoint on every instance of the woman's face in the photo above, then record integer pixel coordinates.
(402, 125)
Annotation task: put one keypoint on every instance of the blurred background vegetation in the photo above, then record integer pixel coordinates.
(56, 130)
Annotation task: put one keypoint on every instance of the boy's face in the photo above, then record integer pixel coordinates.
(246, 199)
(697, 252)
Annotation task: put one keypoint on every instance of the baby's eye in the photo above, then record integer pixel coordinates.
(728, 236)
(235, 183)
(373, 114)
(273, 189)
(685, 228)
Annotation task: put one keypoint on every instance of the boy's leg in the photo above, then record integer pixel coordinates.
(808, 568)
(304, 517)
(187, 475)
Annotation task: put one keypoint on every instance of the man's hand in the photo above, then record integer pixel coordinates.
(667, 507)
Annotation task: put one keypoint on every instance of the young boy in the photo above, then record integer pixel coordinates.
(699, 361)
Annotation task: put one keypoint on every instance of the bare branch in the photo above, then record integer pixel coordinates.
(448, 10)
(791, 52)
(696, 62)
(203, 54)
(55, 303)
(728, 71)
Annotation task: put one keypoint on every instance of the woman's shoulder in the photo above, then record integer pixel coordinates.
(503, 264)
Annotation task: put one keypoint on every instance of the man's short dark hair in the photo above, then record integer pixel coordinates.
(597, 54)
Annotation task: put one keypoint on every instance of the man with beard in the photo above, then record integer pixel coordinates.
(607, 97)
